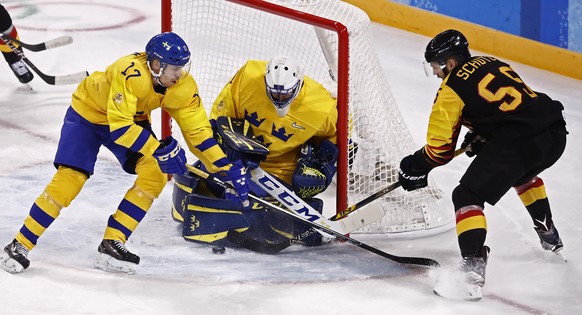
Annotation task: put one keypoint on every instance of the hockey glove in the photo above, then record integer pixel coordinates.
(411, 175)
(171, 157)
(315, 169)
(237, 177)
(473, 143)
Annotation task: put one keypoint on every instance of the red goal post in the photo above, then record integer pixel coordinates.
(332, 41)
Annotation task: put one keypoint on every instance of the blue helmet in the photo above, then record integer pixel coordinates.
(168, 48)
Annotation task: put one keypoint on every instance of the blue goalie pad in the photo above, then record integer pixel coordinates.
(215, 221)
(184, 184)
(209, 220)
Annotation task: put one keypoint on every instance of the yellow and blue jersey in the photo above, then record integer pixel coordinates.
(124, 94)
(312, 116)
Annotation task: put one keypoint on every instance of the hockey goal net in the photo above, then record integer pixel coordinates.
(333, 43)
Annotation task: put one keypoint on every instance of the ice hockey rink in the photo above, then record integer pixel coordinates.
(179, 277)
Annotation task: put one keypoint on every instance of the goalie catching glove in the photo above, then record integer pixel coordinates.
(171, 157)
(315, 169)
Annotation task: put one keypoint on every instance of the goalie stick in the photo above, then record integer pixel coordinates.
(50, 79)
(288, 198)
(399, 259)
(377, 195)
(49, 44)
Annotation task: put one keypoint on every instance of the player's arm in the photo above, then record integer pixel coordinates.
(198, 135)
(316, 164)
(443, 128)
(185, 106)
(443, 132)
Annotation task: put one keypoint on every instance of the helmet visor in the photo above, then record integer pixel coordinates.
(175, 71)
(433, 67)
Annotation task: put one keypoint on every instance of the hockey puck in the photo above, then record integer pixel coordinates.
(218, 250)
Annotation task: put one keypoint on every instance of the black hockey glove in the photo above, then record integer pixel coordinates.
(473, 143)
(412, 176)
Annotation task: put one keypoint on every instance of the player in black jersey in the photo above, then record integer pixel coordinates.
(514, 132)
(15, 62)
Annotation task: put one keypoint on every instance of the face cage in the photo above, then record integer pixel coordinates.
(293, 91)
(430, 67)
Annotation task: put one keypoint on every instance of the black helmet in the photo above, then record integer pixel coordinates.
(446, 44)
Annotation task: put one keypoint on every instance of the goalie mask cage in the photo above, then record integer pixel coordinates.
(332, 42)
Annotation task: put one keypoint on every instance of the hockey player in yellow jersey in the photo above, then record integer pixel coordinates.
(284, 118)
(112, 109)
(515, 134)
(295, 118)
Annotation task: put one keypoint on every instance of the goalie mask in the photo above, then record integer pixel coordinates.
(172, 52)
(283, 81)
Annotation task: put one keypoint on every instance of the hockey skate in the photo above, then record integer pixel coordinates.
(14, 258)
(114, 257)
(18, 66)
(466, 281)
(550, 240)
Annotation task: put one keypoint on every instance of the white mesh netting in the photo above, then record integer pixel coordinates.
(223, 35)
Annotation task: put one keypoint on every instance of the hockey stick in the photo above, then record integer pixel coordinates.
(294, 203)
(50, 79)
(399, 259)
(376, 195)
(49, 44)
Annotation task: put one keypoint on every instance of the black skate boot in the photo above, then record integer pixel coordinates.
(114, 257)
(18, 66)
(550, 239)
(14, 258)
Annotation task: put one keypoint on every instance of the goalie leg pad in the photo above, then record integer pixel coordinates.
(306, 234)
(208, 220)
(184, 184)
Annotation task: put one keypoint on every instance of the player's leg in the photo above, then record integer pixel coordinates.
(113, 255)
(78, 137)
(543, 151)
(18, 66)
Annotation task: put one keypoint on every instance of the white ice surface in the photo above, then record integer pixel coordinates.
(178, 277)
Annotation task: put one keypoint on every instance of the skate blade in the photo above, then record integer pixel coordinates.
(453, 285)
(468, 292)
(561, 255)
(10, 265)
(107, 263)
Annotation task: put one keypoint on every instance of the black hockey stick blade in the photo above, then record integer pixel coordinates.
(49, 44)
(399, 259)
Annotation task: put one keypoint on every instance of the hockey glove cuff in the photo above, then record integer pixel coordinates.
(171, 157)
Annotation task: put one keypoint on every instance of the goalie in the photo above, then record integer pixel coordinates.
(271, 115)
